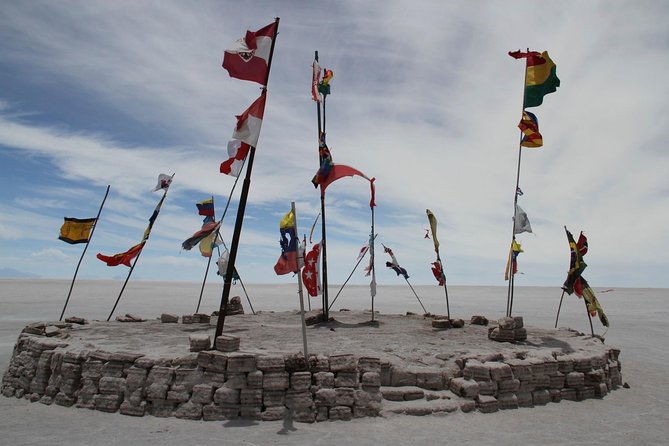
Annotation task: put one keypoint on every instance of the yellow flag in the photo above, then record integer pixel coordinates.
(433, 226)
(76, 230)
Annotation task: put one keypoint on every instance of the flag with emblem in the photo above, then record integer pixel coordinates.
(248, 57)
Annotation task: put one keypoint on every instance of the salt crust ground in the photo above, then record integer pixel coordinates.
(640, 321)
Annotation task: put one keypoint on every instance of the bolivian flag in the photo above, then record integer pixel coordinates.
(540, 78)
(76, 230)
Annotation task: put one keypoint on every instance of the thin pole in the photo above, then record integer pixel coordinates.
(240, 214)
(414, 293)
(132, 268)
(443, 274)
(206, 270)
(299, 290)
(84, 252)
(240, 281)
(325, 258)
(509, 299)
(349, 277)
(372, 259)
(318, 105)
(558, 311)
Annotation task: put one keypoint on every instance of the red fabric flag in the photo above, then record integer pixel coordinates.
(248, 59)
(340, 171)
(237, 152)
(123, 258)
(311, 271)
(249, 123)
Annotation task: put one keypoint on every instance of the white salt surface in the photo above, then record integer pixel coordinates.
(625, 416)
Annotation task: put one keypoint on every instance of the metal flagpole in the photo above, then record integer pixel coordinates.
(83, 253)
(592, 330)
(350, 275)
(240, 214)
(146, 237)
(321, 134)
(206, 270)
(299, 290)
(443, 275)
(414, 293)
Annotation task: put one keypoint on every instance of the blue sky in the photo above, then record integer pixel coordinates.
(424, 98)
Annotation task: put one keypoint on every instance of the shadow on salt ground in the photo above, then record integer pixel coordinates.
(240, 423)
(551, 342)
(336, 324)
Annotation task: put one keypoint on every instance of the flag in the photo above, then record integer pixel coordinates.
(576, 263)
(512, 261)
(208, 244)
(206, 208)
(287, 262)
(520, 222)
(393, 264)
(582, 289)
(164, 182)
(123, 258)
(372, 191)
(433, 226)
(540, 78)
(152, 219)
(324, 162)
(311, 272)
(324, 86)
(529, 125)
(340, 171)
(76, 230)
(248, 58)
(222, 264)
(208, 228)
(315, 76)
(363, 251)
(237, 152)
(248, 123)
(438, 273)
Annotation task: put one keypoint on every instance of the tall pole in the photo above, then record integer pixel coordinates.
(509, 298)
(83, 253)
(206, 270)
(371, 261)
(299, 290)
(592, 330)
(146, 237)
(557, 316)
(443, 275)
(240, 213)
(321, 134)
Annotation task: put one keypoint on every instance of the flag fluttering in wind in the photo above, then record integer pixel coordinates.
(324, 86)
(288, 262)
(311, 271)
(433, 227)
(438, 273)
(393, 264)
(512, 261)
(248, 58)
(222, 264)
(209, 228)
(164, 182)
(206, 208)
(521, 222)
(315, 77)
(540, 79)
(576, 283)
(250, 121)
(126, 257)
(529, 125)
(76, 230)
(324, 162)
(340, 171)
(237, 152)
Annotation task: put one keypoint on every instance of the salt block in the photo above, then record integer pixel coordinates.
(227, 343)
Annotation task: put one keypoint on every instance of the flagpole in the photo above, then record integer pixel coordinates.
(592, 330)
(206, 271)
(557, 316)
(321, 131)
(83, 253)
(509, 298)
(443, 275)
(132, 268)
(414, 293)
(350, 275)
(227, 283)
(372, 285)
(299, 290)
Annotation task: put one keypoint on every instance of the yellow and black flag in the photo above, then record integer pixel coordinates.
(76, 230)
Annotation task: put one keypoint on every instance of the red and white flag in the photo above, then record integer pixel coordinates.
(311, 272)
(248, 58)
(249, 122)
(237, 152)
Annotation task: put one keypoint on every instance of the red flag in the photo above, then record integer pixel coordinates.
(237, 152)
(122, 258)
(248, 123)
(311, 271)
(438, 273)
(340, 171)
(248, 59)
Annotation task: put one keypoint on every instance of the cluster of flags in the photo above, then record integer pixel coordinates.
(208, 236)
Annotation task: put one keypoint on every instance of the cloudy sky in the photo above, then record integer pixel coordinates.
(424, 98)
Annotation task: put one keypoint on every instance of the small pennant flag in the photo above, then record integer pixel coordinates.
(393, 264)
(123, 258)
(164, 182)
(311, 272)
(206, 207)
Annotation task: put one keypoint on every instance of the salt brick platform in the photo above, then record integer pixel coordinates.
(399, 364)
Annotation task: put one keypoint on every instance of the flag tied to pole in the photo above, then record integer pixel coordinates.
(245, 135)
(512, 261)
(540, 78)
(76, 230)
(529, 125)
(520, 222)
(287, 262)
(315, 76)
(433, 227)
(206, 208)
(311, 271)
(438, 273)
(248, 57)
(393, 264)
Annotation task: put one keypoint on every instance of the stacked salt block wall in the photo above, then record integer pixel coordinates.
(213, 385)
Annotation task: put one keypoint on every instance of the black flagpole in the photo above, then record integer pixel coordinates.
(206, 271)
(557, 316)
(132, 268)
(227, 283)
(321, 134)
(592, 330)
(509, 298)
(82, 254)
